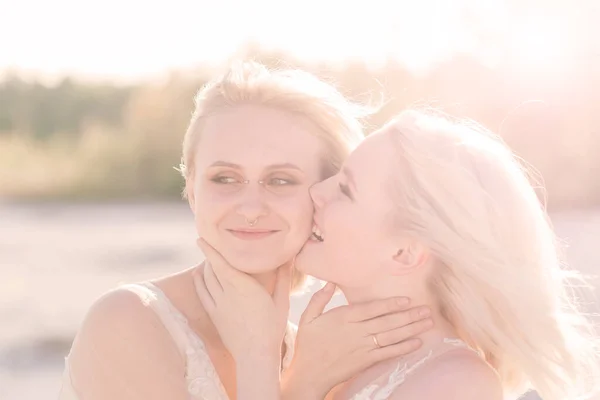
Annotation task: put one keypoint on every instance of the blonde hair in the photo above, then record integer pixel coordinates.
(295, 91)
(499, 278)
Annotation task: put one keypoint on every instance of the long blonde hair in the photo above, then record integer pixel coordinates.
(337, 119)
(499, 279)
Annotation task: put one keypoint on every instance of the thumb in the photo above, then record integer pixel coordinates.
(317, 303)
(281, 294)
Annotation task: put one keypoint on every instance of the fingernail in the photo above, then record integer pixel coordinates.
(424, 312)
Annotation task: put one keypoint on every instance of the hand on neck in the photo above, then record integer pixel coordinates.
(267, 280)
(200, 319)
(419, 295)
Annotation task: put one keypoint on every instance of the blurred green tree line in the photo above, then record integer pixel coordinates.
(82, 140)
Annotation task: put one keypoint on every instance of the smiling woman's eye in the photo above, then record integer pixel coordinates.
(282, 185)
(280, 182)
(224, 180)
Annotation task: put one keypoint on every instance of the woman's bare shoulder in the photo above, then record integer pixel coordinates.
(123, 350)
(121, 308)
(122, 323)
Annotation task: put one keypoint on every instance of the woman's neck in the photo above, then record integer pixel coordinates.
(419, 295)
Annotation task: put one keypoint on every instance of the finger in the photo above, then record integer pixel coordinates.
(212, 282)
(202, 291)
(317, 303)
(226, 273)
(396, 320)
(404, 333)
(397, 350)
(365, 311)
(281, 294)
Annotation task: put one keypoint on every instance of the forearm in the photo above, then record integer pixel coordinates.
(258, 377)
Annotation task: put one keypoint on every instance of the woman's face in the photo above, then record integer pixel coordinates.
(352, 211)
(253, 169)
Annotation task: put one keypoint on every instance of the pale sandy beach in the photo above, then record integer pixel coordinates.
(56, 259)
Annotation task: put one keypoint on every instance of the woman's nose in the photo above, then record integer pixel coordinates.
(252, 203)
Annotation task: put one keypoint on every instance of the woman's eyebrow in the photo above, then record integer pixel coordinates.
(228, 164)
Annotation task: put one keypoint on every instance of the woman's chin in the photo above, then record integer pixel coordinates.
(255, 267)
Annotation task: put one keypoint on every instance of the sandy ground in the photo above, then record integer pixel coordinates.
(55, 260)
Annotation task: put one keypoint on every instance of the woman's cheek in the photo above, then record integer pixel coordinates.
(299, 210)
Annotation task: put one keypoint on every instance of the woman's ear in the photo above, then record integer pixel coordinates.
(409, 257)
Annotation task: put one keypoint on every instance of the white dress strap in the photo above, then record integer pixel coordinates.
(67, 391)
(172, 319)
(201, 377)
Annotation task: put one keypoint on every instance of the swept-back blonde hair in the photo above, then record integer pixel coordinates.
(337, 120)
(499, 279)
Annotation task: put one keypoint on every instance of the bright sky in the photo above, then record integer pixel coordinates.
(128, 39)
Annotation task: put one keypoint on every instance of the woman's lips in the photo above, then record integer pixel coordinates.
(251, 234)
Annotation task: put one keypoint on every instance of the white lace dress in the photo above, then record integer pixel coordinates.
(202, 380)
(382, 387)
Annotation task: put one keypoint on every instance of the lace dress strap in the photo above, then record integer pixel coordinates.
(172, 319)
(382, 388)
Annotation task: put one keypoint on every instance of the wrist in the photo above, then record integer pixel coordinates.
(268, 359)
(258, 376)
(299, 384)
